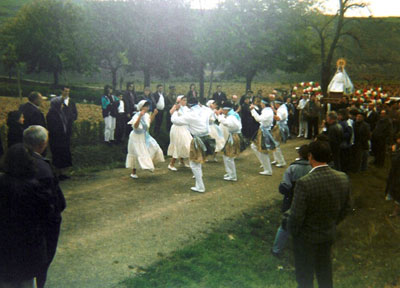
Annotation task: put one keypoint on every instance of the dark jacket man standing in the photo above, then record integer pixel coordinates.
(321, 200)
(219, 96)
(31, 111)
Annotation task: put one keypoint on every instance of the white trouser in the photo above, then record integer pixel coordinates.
(230, 167)
(109, 128)
(303, 126)
(263, 158)
(198, 174)
(278, 156)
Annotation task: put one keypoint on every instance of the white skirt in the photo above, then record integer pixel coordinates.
(142, 156)
(217, 134)
(180, 139)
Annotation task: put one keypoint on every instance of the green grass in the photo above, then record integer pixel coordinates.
(366, 253)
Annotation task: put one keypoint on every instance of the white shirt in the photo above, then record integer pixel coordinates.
(121, 107)
(66, 101)
(302, 104)
(316, 167)
(282, 113)
(231, 122)
(161, 102)
(196, 119)
(266, 118)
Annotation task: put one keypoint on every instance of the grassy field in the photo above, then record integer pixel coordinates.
(366, 254)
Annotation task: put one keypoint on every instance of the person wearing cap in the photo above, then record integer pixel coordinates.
(109, 104)
(295, 171)
(202, 144)
(180, 138)
(31, 110)
(231, 119)
(281, 118)
(264, 141)
(216, 132)
(143, 150)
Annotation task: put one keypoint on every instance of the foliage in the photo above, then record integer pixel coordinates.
(51, 27)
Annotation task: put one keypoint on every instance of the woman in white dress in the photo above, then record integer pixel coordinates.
(143, 150)
(215, 130)
(180, 137)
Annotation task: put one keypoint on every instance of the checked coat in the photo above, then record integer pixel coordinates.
(321, 201)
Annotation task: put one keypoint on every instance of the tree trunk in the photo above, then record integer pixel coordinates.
(249, 79)
(114, 78)
(201, 82)
(325, 77)
(55, 78)
(146, 72)
(211, 82)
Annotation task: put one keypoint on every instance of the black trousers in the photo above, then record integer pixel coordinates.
(158, 122)
(312, 127)
(310, 258)
(120, 126)
(52, 234)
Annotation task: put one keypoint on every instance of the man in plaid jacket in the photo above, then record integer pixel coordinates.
(321, 201)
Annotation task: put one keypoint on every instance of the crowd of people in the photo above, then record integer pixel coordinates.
(342, 137)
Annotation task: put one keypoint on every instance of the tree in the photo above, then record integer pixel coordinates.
(47, 37)
(330, 30)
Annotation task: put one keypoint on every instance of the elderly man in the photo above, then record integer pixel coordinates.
(36, 139)
(31, 110)
(321, 200)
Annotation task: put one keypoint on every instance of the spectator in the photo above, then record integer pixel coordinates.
(321, 200)
(121, 119)
(381, 138)
(345, 145)
(372, 116)
(70, 111)
(235, 104)
(130, 99)
(393, 181)
(192, 92)
(295, 171)
(170, 101)
(109, 108)
(362, 135)
(159, 103)
(303, 128)
(249, 94)
(36, 139)
(23, 209)
(291, 111)
(334, 132)
(219, 97)
(31, 110)
(311, 112)
(59, 138)
(15, 122)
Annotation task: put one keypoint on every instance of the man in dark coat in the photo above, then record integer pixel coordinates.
(311, 112)
(59, 139)
(381, 138)
(334, 131)
(321, 201)
(170, 101)
(362, 135)
(31, 110)
(159, 103)
(69, 109)
(219, 97)
(131, 100)
(372, 116)
(345, 146)
(36, 138)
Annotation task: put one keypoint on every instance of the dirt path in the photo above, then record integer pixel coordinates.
(114, 224)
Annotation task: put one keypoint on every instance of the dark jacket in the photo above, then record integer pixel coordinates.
(321, 201)
(109, 105)
(32, 115)
(393, 181)
(383, 131)
(362, 135)
(71, 113)
(49, 183)
(335, 135)
(347, 133)
(130, 99)
(372, 119)
(24, 207)
(220, 99)
(312, 109)
(15, 133)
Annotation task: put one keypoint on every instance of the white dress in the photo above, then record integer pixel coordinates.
(143, 150)
(180, 138)
(216, 132)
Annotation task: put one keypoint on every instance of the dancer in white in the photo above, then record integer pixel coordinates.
(215, 130)
(230, 119)
(143, 150)
(281, 118)
(179, 136)
(202, 144)
(264, 141)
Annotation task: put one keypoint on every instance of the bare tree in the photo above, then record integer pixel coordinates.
(330, 30)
